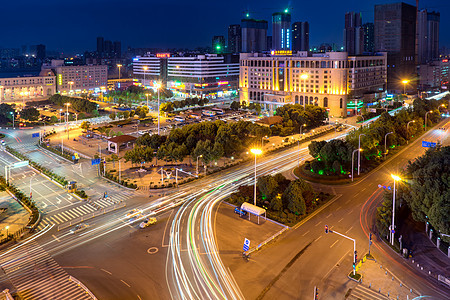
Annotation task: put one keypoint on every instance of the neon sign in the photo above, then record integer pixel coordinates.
(163, 55)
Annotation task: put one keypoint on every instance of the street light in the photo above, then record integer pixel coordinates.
(67, 118)
(256, 152)
(147, 98)
(197, 162)
(396, 178)
(407, 130)
(158, 86)
(303, 77)
(359, 153)
(405, 82)
(7, 228)
(385, 140)
(71, 86)
(353, 159)
(301, 127)
(119, 66)
(145, 69)
(12, 113)
(426, 118)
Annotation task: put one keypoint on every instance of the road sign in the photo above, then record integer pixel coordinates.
(33, 135)
(393, 231)
(428, 144)
(95, 161)
(246, 244)
(19, 164)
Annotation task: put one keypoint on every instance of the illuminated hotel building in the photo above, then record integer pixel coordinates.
(207, 75)
(27, 88)
(329, 80)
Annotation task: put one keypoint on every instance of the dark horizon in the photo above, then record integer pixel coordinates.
(67, 28)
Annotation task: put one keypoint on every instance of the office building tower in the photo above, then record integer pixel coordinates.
(40, 52)
(395, 33)
(369, 37)
(269, 42)
(353, 34)
(234, 38)
(300, 36)
(254, 35)
(428, 36)
(100, 42)
(281, 31)
(117, 49)
(218, 44)
(108, 47)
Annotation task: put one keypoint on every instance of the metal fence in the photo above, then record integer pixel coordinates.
(91, 215)
(80, 284)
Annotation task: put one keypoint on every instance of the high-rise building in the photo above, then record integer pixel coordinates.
(369, 37)
(281, 31)
(100, 42)
(234, 38)
(108, 47)
(117, 49)
(254, 35)
(395, 33)
(428, 36)
(269, 42)
(353, 34)
(300, 36)
(40, 52)
(218, 44)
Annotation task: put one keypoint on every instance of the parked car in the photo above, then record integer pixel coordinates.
(147, 222)
(239, 211)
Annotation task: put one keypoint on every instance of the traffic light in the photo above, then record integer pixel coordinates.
(370, 236)
(317, 294)
(356, 257)
(326, 228)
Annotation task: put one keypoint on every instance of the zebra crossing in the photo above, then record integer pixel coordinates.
(82, 210)
(36, 275)
(361, 292)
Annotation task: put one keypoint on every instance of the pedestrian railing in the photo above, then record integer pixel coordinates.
(266, 241)
(80, 284)
(91, 215)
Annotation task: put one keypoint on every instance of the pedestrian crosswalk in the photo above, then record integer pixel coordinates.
(36, 275)
(82, 210)
(364, 293)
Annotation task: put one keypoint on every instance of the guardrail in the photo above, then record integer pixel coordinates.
(266, 241)
(90, 216)
(80, 284)
(7, 294)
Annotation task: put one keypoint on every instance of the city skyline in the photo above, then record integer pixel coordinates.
(166, 29)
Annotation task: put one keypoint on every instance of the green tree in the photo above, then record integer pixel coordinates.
(235, 105)
(112, 116)
(293, 197)
(268, 186)
(30, 114)
(85, 125)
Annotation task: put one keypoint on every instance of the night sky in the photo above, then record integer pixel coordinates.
(74, 25)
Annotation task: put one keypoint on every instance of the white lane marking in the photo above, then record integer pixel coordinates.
(305, 233)
(54, 236)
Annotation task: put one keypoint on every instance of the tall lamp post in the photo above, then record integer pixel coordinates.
(385, 140)
(197, 162)
(396, 178)
(301, 128)
(303, 77)
(158, 86)
(353, 159)
(71, 86)
(67, 118)
(405, 82)
(145, 70)
(256, 152)
(407, 130)
(12, 113)
(146, 94)
(359, 153)
(426, 114)
(119, 66)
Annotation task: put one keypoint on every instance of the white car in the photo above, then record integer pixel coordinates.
(79, 227)
(147, 222)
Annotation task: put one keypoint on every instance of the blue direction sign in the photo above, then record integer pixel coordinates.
(428, 144)
(95, 161)
(246, 245)
(36, 134)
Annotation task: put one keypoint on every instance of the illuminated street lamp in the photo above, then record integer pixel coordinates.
(197, 162)
(407, 130)
(405, 82)
(67, 118)
(256, 152)
(145, 70)
(359, 153)
(158, 86)
(301, 127)
(426, 114)
(396, 178)
(12, 113)
(71, 86)
(7, 228)
(385, 140)
(353, 159)
(147, 98)
(119, 66)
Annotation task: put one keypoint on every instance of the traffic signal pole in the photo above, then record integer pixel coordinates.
(354, 246)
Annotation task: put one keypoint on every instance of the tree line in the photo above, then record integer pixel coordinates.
(79, 104)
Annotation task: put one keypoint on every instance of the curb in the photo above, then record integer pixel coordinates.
(116, 183)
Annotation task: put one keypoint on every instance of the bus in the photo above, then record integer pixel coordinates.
(179, 119)
(208, 113)
(218, 111)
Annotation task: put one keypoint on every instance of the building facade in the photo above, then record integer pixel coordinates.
(28, 88)
(353, 34)
(208, 75)
(434, 75)
(428, 36)
(234, 38)
(369, 37)
(328, 79)
(300, 36)
(254, 35)
(281, 31)
(395, 33)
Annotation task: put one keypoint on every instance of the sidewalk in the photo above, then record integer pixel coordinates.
(12, 214)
